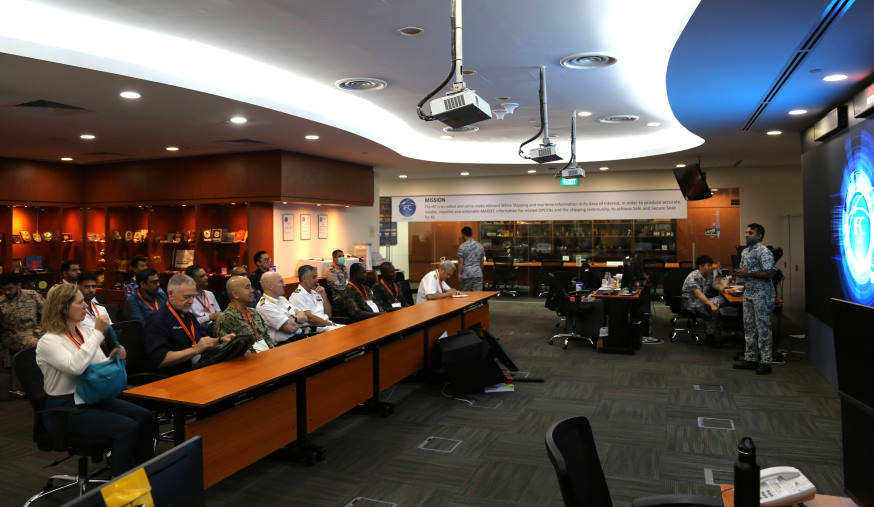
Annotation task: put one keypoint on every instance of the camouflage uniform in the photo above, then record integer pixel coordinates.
(233, 321)
(385, 297)
(353, 303)
(758, 304)
(471, 254)
(20, 319)
(697, 280)
(337, 281)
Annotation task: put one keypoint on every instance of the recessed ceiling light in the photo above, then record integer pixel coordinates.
(346, 206)
(410, 31)
(87, 137)
(402, 176)
(584, 113)
(445, 137)
(532, 171)
(284, 202)
(67, 159)
(184, 205)
(603, 168)
(130, 94)
(681, 165)
(653, 124)
(233, 204)
(239, 120)
(318, 205)
(835, 77)
(796, 112)
(311, 137)
(465, 173)
(774, 132)
(172, 148)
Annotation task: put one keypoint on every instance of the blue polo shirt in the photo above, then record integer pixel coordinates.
(163, 333)
(135, 309)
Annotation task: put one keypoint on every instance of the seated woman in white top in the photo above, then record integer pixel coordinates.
(63, 353)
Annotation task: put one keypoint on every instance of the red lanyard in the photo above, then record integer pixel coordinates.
(439, 282)
(155, 309)
(188, 331)
(78, 342)
(250, 319)
(363, 294)
(204, 305)
(393, 293)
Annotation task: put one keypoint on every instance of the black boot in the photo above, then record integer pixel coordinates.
(743, 364)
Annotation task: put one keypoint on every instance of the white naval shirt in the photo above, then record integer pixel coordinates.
(430, 284)
(276, 312)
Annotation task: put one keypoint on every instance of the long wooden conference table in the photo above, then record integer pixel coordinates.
(277, 397)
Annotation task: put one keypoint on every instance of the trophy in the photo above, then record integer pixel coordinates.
(48, 236)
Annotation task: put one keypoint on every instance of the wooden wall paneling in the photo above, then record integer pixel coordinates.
(422, 254)
(39, 183)
(119, 252)
(333, 392)
(310, 179)
(6, 236)
(211, 178)
(260, 232)
(701, 216)
(72, 219)
(95, 223)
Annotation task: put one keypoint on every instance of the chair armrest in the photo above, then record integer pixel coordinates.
(678, 500)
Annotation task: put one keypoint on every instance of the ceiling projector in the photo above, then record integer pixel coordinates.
(573, 172)
(460, 109)
(543, 154)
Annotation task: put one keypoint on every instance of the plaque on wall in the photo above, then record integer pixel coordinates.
(16, 239)
(66, 237)
(37, 237)
(116, 235)
(128, 235)
(48, 236)
(138, 237)
(216, 234)
(207, 235)
(25, 236)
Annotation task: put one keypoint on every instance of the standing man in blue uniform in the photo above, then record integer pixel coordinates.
(757, 270)
(471, 255)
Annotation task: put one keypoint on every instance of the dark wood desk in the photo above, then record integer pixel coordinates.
(818, 500)
(283, 394)
(622, 338)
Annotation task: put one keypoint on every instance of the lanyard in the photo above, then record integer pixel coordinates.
(248, 317)
(188, 331)
(363, 294)
(155, 309)
(204, 305)
(439, 282)
(393, 293)
(78, 342)
(92, 309)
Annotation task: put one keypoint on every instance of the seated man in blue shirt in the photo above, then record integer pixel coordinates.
(173, 338)
(147, 298)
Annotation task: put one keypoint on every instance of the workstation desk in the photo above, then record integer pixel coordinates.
(265, 401)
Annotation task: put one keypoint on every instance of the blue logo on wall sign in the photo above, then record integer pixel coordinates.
(407, 207)
(856, 232)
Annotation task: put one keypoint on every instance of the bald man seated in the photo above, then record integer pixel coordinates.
(283, 320)
(239, 319)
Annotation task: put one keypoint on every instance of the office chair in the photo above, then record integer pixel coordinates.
(114, 311)
(505, 273)
(673, 293)
(571, 449)
(583, 319)
(81, 446)
(131, 337)
(548, 264)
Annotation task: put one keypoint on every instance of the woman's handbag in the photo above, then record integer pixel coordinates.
(104, 380)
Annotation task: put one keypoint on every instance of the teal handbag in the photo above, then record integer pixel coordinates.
(105, 380)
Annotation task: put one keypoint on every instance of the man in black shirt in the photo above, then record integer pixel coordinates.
(262, 265)
(173, 338)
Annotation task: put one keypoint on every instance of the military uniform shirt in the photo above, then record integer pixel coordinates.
(309, 301)
(353, 303)
(19, 320)
(385, 297)
(696, 280)
(337, 280)
(471, 254)
(234, 321)
(275, 312)
(757, 258)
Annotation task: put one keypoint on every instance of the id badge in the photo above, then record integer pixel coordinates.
(373, 306)
(396, 305)
(260, 346)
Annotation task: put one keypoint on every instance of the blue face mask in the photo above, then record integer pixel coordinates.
(341, 261)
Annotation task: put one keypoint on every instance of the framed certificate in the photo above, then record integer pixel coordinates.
(323, 226)
(306, 223)
(287, 227)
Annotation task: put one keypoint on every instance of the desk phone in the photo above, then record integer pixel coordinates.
(781, 486)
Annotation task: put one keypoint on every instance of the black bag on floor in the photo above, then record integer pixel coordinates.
(230, 350)
(469, 363)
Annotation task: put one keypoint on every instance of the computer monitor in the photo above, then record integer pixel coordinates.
(176, 478)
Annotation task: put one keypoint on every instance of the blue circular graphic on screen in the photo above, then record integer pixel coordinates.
(407, 207)
(855, 237)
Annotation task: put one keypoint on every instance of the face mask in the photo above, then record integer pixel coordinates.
(341, 261)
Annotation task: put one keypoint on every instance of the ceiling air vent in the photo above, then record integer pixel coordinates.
(53, 108)
(243, 142)
(361, 84)
(583, 61)
(467, 129)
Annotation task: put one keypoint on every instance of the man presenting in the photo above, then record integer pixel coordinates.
(173, 339)
(283, 321)
(93, 308)
(700, 284)
(433, 285)
(470, 261)
(206, 308)
(310, 298)
(757, 270)
(238, 319)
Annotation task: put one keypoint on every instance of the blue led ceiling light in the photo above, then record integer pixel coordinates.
(853, 223)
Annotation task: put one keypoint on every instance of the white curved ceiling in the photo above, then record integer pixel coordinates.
(285, 56)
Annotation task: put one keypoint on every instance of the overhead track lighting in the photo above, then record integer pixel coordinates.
(461, 106)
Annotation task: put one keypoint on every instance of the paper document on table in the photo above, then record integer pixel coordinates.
(459, 295)
(502, 387)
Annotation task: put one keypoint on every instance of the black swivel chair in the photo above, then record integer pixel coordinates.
(583, 319)
(673, 290)
(505, 275)
(548, 264)
(81, 446)
(571, 449)
(131, 337)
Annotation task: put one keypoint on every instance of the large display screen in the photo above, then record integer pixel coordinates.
(838, 202)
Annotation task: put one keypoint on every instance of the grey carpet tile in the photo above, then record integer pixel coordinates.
(428, 468)
(701, 401)
(630, 461)
(758, 402)
(631, 412)
(689, 467)
(507, 482)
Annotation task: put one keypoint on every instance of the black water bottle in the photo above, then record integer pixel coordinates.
(746, 475)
